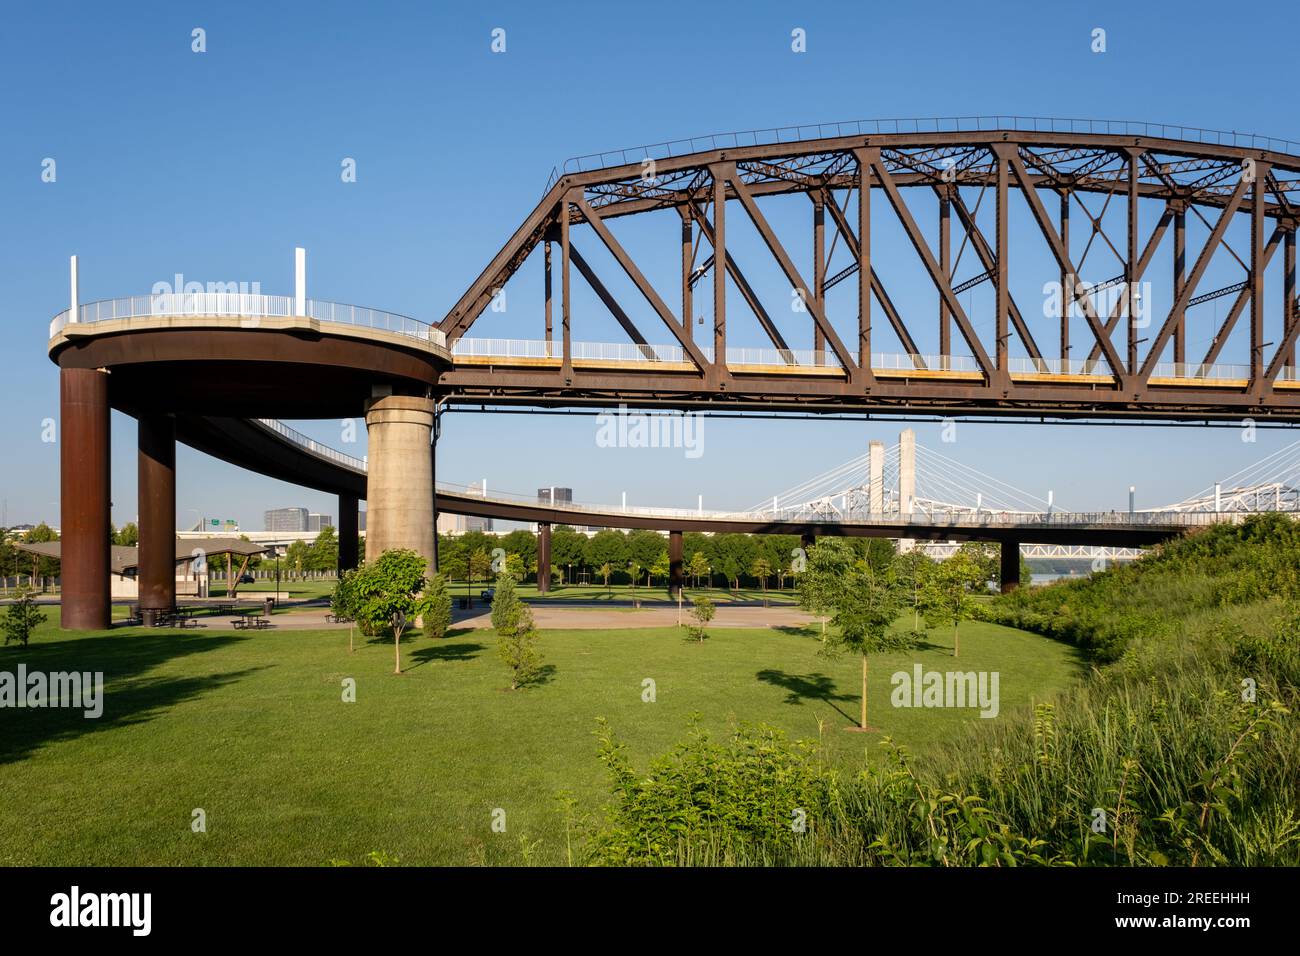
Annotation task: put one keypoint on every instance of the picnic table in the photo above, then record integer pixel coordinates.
(251, 619)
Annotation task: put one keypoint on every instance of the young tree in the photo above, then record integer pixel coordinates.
(824, 577)
(662, 567)
(634, 567)
(865, 611)
(762, 570)
(506, 606)
(913, 570)
(514, 566)
(703, 613)
(516, 634)
(343, 601)
(480, 563)
(22, 617)
(949, 593)
(698, 567)
(605, 571)
(437, 617)
(389, 593)
(323, 555)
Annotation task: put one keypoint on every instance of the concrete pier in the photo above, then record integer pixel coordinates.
(399, 480)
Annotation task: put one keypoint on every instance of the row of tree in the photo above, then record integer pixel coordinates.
(863, 599)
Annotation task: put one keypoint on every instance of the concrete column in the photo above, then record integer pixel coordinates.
(543, 557)
(85, 508)
(1010, 566)
(399, 483)
(349, 533)
(876, 481)
(676, 572)
(157, 506)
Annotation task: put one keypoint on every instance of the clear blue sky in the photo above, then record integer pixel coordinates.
(217, 165)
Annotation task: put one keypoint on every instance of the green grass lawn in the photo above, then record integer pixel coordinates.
(251, 728)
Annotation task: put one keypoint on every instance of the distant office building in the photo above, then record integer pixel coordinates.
(286, 519)
(361, 521)
(459, 524)
(559, 496)
(316, 522)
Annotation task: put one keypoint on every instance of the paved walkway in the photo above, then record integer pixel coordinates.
(557, 617)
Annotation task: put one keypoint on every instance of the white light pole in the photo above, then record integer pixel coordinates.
(75, 292)
(299, 281)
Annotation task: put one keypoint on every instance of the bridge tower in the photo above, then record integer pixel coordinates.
(876, 477)
(906, 481)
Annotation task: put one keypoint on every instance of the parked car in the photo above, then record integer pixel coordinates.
(246, 579)
(488, 594)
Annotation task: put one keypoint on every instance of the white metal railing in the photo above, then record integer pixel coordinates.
(312, 445)
(906, 362)
(1025, 365)
(809, 358)
(243, 305)
(1187, 370)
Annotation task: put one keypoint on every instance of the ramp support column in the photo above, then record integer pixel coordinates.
(157, 505)
(543, 557)
(675, 567)
(85, 508)
(1010, 576)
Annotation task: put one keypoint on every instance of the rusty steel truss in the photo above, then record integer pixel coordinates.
(1065, 179)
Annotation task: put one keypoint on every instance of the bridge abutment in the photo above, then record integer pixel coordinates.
(399, 481)
(84, 505)
(156, 499)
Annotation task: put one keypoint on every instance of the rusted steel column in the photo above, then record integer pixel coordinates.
(945, 266)
(544, 556)
(349, 532)
(157, 507)
(84, 499)
(675, 567)
(1010, 576)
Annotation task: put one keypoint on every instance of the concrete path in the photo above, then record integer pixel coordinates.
(559, 617)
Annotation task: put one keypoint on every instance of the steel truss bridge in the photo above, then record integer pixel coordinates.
(1211, 202)
(950, 186)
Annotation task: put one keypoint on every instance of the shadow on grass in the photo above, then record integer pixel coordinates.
(544, 676)
(801, 687)
(443, 651)
(128, 698)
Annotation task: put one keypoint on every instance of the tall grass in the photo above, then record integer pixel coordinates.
(1179, 749)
